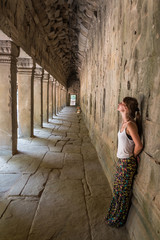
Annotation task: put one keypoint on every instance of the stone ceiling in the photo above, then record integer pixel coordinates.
(65, 24)
(53, 32)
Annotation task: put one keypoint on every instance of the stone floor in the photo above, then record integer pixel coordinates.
(55, 188)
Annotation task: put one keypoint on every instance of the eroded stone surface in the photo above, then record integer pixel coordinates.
(36, 183)
(59, 203)
(53, 160)
(17, 219)
(7, 181)
(73, 167)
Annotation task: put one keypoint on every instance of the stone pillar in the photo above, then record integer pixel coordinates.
(8, 95)
(45, 96)
(68, 99)
(38, 96)
(25, 96)
(50, 97)
(63, 96)
(54, 97)
(57, 97)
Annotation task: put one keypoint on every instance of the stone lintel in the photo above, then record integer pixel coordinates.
(54, 81)
(38, 73)
(45, 76)
(8, 51)
(25, 66)
(25, 63)
(9, 48)
(51, 78)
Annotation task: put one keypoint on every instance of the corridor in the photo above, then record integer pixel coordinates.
(55, 188)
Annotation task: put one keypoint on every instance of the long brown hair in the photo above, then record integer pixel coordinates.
(134, 111)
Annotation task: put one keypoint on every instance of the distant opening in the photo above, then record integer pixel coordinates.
(72, 100)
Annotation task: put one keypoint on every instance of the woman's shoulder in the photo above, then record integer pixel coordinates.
(132, 125)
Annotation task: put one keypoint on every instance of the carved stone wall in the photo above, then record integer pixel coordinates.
(123, 59)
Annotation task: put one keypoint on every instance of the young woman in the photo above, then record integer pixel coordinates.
(129, 146)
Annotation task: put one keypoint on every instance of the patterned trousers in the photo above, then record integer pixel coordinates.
(120, 204)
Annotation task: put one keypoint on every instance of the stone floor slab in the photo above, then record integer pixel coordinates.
(62, 204)
(22, 163)
(73, 167)
(7, 181)
(17, 220)
(18, 187)
(36, 183)
(3, 206)
(55, 148)
(71, 149)
(53, 160)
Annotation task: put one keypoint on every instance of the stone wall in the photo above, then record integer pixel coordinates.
(122, 59)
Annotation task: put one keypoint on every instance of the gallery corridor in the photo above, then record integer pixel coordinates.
(55, 188)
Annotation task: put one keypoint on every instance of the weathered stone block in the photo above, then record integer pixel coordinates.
(53, 160)
(18, 217)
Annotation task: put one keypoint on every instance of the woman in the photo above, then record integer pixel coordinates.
(129, 146)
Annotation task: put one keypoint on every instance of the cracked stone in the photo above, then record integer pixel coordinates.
(53, 160)
(18, 218)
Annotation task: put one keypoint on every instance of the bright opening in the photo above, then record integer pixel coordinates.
(72, 100)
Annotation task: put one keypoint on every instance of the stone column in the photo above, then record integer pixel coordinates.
(61, 97)
(25, 96)
(38, 96)
(8, 95)
(50, 97)
(68, 99)
(57, 97)
(54, 97)
(65, 97)
(45, 96)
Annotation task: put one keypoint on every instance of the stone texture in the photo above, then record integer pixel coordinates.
(7, 181)
(36, 183)
(8, 92)
(73, 167)
(45, 99)
(38, 82)
(25, 98)
(68, 196)
(18, 218)
(53, 160)
(22, 163)
(71, 149)
(121, 60)
(20, 184)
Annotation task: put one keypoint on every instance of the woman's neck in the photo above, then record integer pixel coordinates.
(125, 118)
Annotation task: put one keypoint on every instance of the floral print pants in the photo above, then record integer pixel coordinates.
(120, 204)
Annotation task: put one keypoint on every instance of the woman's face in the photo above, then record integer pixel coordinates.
(122, 107)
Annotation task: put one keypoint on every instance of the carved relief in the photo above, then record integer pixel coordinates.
(8, 52)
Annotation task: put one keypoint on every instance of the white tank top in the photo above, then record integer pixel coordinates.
(125, 145)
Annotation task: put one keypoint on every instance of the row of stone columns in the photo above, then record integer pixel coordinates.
(40, 96)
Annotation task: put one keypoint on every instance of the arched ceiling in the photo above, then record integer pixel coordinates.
(53, 32)
(66, 24)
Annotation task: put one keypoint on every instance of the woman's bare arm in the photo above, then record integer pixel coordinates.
(133, 131)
